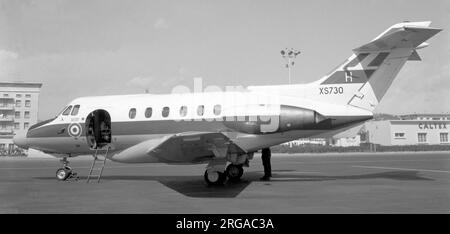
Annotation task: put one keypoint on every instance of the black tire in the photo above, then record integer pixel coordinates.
(234, 172)
(62, 174)
(219, 181)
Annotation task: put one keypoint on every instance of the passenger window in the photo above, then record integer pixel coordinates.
(148, 112)
(67, 111)
(200, 110)
(217, 109)
(132, 113)
(165, 112)
(183, 111)
(75, 110)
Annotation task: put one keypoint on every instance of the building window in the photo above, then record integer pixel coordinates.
(26, 115)
(26, 125)
(67, 110)
(132, 113)
(28, 95)
(217, 109)
(200, 110)
(17, 114)
(422, 137)
(165, 112)
(18, 103)
(17, 126)
(399, 135)
(75, 110)
(148, 112)
(18, 95)
(183, 111)
(444, 137)
(5, 95)
(27, 103)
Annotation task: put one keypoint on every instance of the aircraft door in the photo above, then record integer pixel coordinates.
(98, 129)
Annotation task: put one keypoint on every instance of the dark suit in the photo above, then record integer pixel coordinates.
(265, 156)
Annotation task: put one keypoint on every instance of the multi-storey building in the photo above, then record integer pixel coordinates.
(18, 110)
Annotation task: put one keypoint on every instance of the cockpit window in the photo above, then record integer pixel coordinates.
(75, 110)
(67, 111)
(60, 112)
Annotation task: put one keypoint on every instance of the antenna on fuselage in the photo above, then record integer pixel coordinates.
(289, 55)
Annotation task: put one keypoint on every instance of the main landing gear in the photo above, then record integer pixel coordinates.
(65, 172)
(233, 173)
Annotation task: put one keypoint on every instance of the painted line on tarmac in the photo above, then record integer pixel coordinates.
(87, 167)
(297, 172)
(281, 179)
(402, 169)
(359, 161)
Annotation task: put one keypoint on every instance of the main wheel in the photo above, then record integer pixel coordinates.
(234, 172)
(214, 178)
(63, 173)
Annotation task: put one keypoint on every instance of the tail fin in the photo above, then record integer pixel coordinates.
(376, 64)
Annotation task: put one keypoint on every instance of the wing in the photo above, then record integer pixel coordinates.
(188, 147)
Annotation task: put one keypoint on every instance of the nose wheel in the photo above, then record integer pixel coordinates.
(65, 172)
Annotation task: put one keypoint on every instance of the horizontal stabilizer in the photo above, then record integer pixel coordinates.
(414, 56)
(402, 35)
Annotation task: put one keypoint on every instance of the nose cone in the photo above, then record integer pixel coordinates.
(20, 139)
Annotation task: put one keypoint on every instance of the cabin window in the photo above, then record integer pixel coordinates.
(132, 113)
(200, 110)
(67, 111)
(148, 112)
(217, 109)
(183, 111)
(165, 112)
(75, 110)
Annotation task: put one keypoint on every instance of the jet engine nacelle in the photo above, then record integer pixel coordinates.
(290, 118)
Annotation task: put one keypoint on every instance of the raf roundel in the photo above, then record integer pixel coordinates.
(74, 130)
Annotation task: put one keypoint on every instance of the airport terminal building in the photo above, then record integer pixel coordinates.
(415, 129)
(18, 110)
(431, 129)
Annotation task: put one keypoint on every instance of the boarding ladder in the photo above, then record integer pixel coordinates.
(97, 171)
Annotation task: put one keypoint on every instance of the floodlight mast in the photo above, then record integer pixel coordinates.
(289, 55)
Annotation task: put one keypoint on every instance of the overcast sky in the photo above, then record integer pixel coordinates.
(79, 48)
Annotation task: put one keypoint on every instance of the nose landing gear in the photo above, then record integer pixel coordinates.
(65, 172)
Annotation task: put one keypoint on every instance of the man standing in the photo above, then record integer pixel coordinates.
(265, 156)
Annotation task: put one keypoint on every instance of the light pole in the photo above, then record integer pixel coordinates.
(289, 55)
